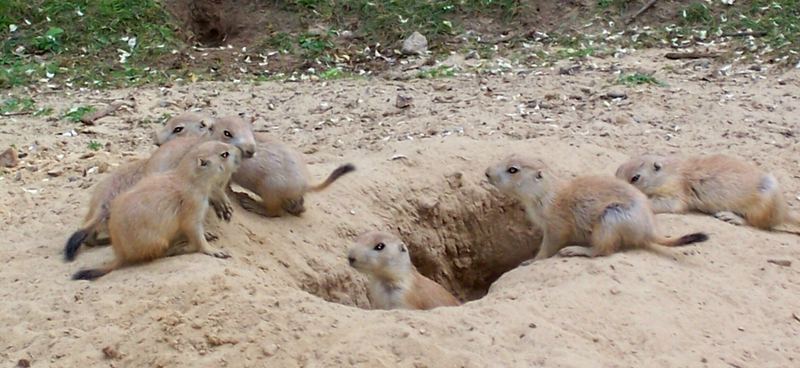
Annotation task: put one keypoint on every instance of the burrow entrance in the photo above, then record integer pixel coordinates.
(464, 236)
(460, 234)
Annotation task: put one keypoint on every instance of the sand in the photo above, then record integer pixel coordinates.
(287, 297)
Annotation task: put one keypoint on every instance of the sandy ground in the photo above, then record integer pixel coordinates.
(287, 297)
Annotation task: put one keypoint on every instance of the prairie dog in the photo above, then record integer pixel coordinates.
(166, 206)
(230, 129)
(602, 213)
(279, 175)
(96, 220)
(726, 187)
(394, 282)
(233, 130)
(182, 125)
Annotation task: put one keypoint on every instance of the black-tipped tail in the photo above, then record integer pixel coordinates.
(690, 239)
(74, 242)
(336, 174)
(89, 274)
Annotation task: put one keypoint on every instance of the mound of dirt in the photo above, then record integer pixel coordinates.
(287, 296)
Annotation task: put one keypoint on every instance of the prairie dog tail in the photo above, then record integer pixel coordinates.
(94, 273)
(684, 240)
(78, 237)
(336, 174)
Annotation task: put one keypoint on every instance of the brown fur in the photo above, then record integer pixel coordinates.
(724, 186)
(394, 282)
(165, 158)
(163, 207)
(183, 125)
(602, 213)
(279, 175)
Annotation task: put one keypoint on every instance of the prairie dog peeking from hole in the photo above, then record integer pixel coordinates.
(394, 282)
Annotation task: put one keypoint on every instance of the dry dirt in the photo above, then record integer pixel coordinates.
(287, 296)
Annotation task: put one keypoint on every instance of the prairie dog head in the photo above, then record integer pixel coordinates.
(236, 131)
(380, 255)
(645, 172)
(214, 160)
(187, 124)
(520, 177)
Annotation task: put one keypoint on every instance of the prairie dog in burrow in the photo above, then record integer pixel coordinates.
(163, 207)
(183, 125)
(233, 130)
(729, 188)
(587, 216)
(278, 174)
(394, 282)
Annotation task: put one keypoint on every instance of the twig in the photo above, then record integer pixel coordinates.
(17, 113)
(90, 119)
(745, 34)
(642, 10)
(690, 55)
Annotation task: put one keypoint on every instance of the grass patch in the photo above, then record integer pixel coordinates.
(696, 13)
(575, 53)
(437, 72)
(388, 21)
(81, 41)
(75, 114)
(16, 105)
(636, 79)
(333, 73)
(95, 145)
(620, 6)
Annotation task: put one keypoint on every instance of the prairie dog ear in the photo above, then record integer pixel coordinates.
(203, 123)
(539, 174)
(402, 248)
(247, 117)
(656, 166)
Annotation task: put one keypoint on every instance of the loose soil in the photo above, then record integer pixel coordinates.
(287, 296)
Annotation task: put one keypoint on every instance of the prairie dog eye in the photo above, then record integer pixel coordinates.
(225, 154)
(512, 170)
(228, 134)
(635, 178)
(177, 129)
(379, 247)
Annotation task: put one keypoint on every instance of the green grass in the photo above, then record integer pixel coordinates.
(619, 5)
(437, 72)
(575, 53)
(95, 145)
(313, 46)
(391, 20)
(76, 113)
(16, 105)
(635, 79)
(696, 13)
(77, 41)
